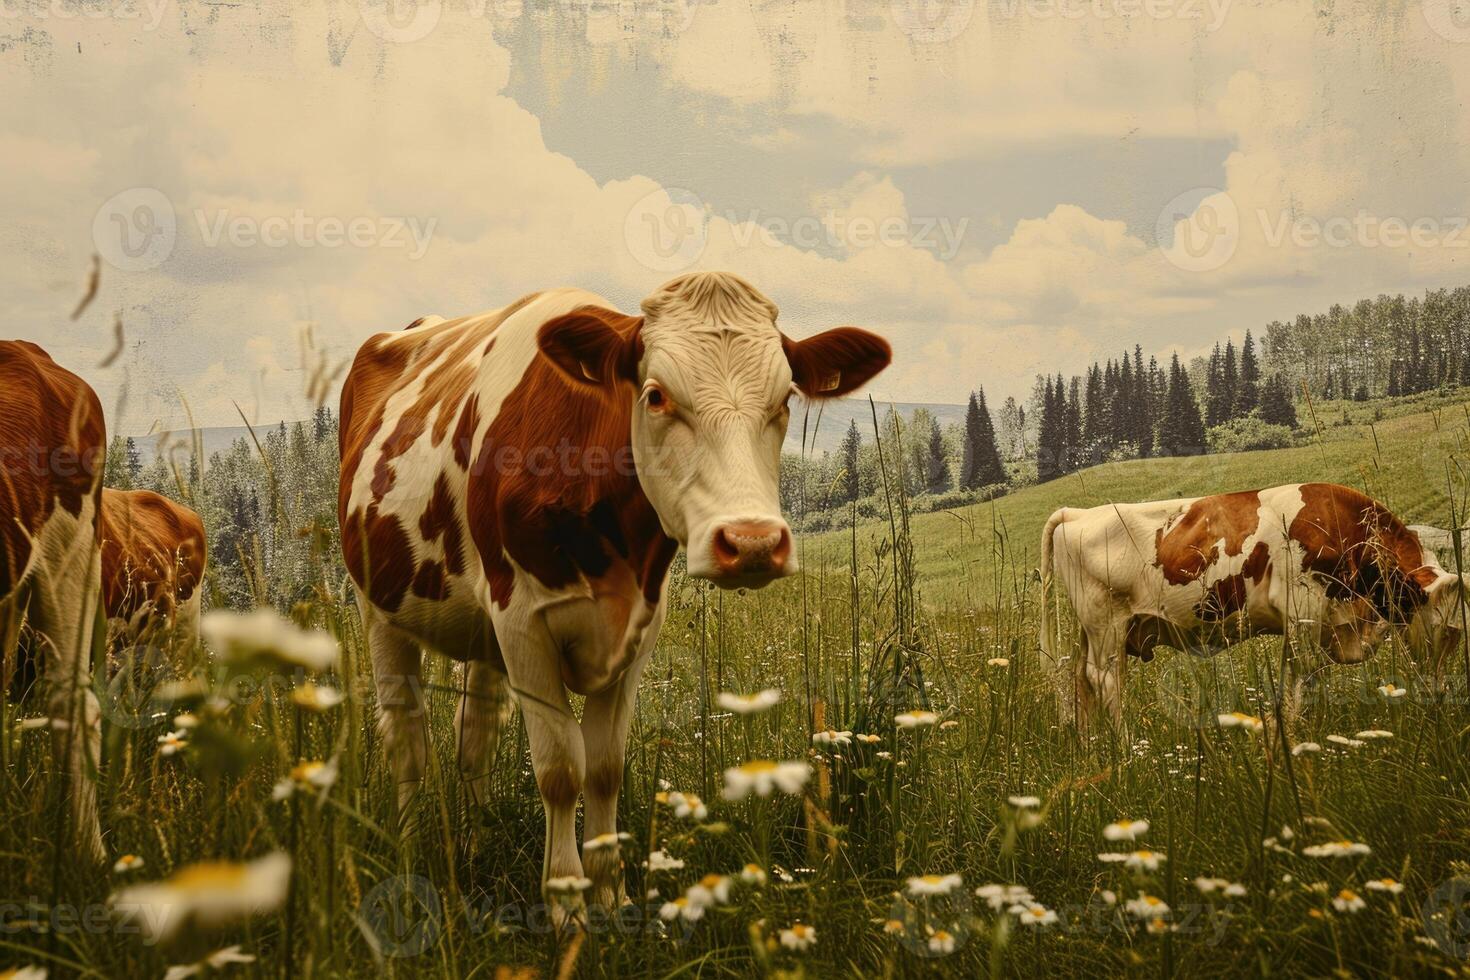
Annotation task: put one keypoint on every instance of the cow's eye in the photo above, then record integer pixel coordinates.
(657, 401)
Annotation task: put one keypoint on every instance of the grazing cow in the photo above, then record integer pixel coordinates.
(52, 444)
(153, 555)
(1204, 573)
(514, 487)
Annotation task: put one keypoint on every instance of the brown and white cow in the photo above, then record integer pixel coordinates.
(514, 487)
(153, 553)
(1202, 574)
(52, 445)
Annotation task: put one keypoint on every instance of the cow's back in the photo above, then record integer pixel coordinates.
(52, 441)
(153, 553)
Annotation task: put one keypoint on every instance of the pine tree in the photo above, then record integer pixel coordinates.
(937, 478)
(1248, 395)
(1276, 403)
(1051, 438)
(1183, 431)
(1229, 383)
(1214, 393)
(852, 443)
(989, 470)
(132, 461)
(1074, 422)
(1143, 413)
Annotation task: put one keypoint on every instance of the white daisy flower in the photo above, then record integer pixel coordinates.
(1352, 743)
(1125, 830)
(263, 635)
(712, 889)
(832, 738)
(749, 704)
(1336, 849)
(753, 874)
(868, 739)
(917, 718)
(941, 943)
(1108, 896)
(1024, 802)
(317, 697)
(1158, 927)
(24, 973)
(306, 776)
(1384, 885)
(1348, 900)
(210, 893)
(608, 840)
(884, 755)
(1302, 748)
(799, 937)
(1375, 733)
(681, 908)
(660, 860)
(1144, 860)
(128, 862)
(1002, 896)
(186, 721)
(1239, 719)
(761, 776)
(172, 742)
(1034, 914)
(568, 885)
(687, 806)
(998, 662)
(1147, 907)
(934, 884)
(213, 963)
(1390, 691)
(1110, 857)
(948, 725)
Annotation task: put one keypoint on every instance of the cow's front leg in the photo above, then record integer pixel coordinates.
(532, 663)
(483, 709)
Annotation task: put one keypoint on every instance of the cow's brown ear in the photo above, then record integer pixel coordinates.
(836, 361)
(592, 345)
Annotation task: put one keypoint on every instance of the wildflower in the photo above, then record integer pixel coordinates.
(1339, 848)
(661, 861)
(1302, 748)
(128, 862)
(317, 697)
(934, 884)
(1375, 733)
(681, 908)
(1352, 743)
(753, 874)
(762, 776)
(1239, 719)
(894, 926)
(1125, 830)
(998, 662)
(1035, 915)
(1147, 906)
(945, 726)
(1348, 900)
(941, 943)
(868, 739)
(1384, 885)
(832, 738)
(1108, 896)
(1001, 896)
(749, 704)
(712, 889)
(263, 635)
(212, 963)
(186, 721)
(687, 806)
(1108, 857)
(885, 755)
(1144, 860)
(799, 937)
(24, 973)
(568, 885)
(1157, 927)
(306, 776)
(917, 718)
(172, 742)
(607, 840)
(1390, 691)
(1222, 885)
(210, 893)
(1024, 802)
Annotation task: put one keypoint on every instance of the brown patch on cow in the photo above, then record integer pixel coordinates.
(605, 779)
(429, 582)
(153, 552)
(559, 786)
(1360, 551)
(379, 555)
(53, 443)
(464, 432)
(1229, 595)
(382, 368)
(553, 486)
(440, 520)
(1186, 547)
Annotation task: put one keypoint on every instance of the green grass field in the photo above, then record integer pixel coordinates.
(937, 613)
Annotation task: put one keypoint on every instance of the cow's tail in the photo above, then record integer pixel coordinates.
(1048, 635)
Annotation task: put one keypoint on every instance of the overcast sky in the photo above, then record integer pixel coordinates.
(1000, 189)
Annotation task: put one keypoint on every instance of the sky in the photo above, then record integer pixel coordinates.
(1000, 189)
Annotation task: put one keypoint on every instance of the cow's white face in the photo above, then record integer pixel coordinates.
(711, 376)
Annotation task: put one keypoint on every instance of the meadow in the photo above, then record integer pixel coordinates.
(959, 843)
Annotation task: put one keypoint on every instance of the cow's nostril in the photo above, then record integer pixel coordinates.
(751, 547)
(727, 552)
(781, 551)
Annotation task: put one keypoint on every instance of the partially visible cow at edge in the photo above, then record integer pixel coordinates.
(153, 553)
(514, 487)
(1202, 574)
(52, 445)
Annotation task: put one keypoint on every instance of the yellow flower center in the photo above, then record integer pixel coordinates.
(208, 875)
(759, 766)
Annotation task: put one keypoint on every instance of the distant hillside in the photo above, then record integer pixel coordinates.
(828, 429)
